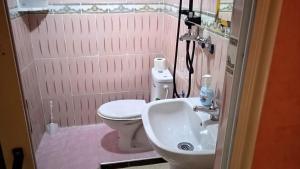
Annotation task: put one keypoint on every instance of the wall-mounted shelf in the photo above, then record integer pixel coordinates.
(33, 9)
(32, 5)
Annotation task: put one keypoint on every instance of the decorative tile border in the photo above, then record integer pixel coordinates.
(226, 7)
(89, 8)
(208, 19)
(233, 41)
(104, 8)
(229, 70)
(229, 65)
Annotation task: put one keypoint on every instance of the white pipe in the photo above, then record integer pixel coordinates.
(51, 111)
(166, 87)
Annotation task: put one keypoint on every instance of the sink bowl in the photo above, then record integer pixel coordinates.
(179, 134)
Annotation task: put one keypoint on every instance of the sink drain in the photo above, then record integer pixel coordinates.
(185, 146)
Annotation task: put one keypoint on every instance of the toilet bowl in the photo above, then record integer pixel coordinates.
(125, 117)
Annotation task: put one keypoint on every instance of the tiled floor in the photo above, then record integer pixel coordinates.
(82, 147)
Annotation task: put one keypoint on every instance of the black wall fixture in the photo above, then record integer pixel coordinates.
(18, 158)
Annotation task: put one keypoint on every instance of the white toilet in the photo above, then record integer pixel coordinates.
(125, 115)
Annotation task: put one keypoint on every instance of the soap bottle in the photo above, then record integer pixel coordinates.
(206, 91)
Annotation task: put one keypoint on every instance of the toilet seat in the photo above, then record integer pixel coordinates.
(122, 109)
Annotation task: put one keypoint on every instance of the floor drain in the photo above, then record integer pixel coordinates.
(185, 146)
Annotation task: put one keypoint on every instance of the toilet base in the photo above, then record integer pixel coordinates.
(133, 149)
(135, 141)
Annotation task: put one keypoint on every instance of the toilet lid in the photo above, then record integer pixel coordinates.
(122, 109)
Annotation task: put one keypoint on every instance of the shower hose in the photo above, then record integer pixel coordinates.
(189, 58)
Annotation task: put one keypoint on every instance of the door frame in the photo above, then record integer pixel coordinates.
(249, 96)
(13, 124)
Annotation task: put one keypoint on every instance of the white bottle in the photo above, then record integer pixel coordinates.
(206, 92)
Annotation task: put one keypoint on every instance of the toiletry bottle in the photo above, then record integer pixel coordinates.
(206, 92)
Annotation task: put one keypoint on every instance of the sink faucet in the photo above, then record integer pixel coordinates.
(212, 110)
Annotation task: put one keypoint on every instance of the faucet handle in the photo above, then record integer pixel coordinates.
(213, 105)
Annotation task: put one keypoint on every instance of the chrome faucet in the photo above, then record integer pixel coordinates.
(212, 110)
(190, 36)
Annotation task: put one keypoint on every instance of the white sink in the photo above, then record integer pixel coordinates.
(171, 122)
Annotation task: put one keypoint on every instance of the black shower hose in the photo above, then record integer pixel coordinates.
(189, 59)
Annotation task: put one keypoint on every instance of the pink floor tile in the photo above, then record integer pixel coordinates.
(82, 147)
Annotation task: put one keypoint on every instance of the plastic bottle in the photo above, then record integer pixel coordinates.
(206, 92)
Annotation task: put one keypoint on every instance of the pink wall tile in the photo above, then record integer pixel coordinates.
(53, 77)
(28, 76)
(32, 102)
(11, 3)
(85, 109)
(20, 28)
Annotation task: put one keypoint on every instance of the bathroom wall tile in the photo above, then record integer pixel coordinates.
(32, 95)
(28, 77)
(46, 34)
(53, 77)
(41, 45)
(111, 73)
(84, 75)
(116, 23)
(79, 110)
(141, 23)
(55, 27)
(98, 102)
(114, 76)
(85, 109)
(146, 75)
(111, 97)
(74, 35)
(143, 95)
(103, 73)
(132, 22)
(37, 126)
(208, 5)
(21, 35)
(118, 74)
(197, 4)
(11, 3)
(130, 43)
(68, 33)
(127, 71)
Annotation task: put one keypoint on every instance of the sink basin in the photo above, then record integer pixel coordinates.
(179, 134)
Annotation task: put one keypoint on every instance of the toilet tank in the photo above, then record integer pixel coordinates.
(161, 85)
